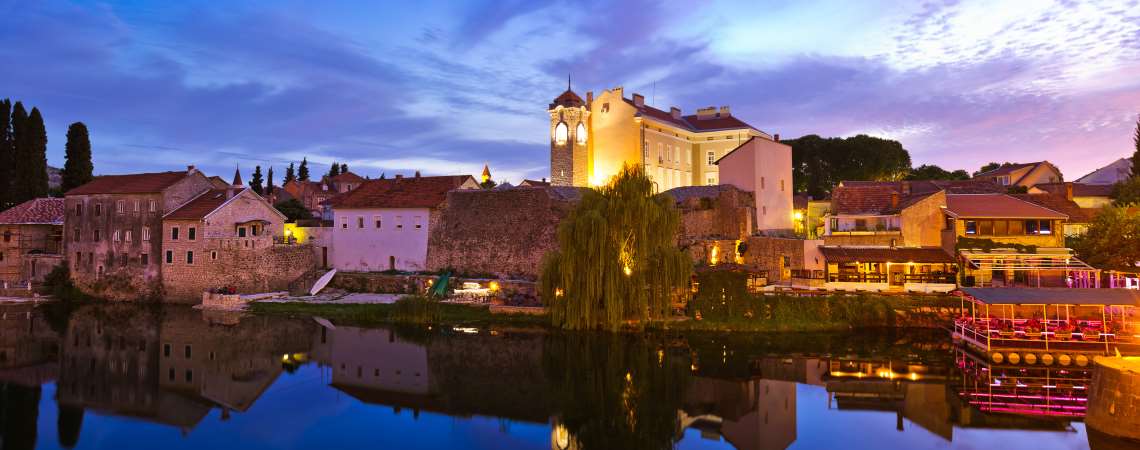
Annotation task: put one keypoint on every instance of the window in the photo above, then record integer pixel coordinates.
(191, 233)
(344, 223)
(1046, 227)
(419, 222)
(170, 256)
(170, 374)
(127, 236)
(688, 157)
(96, 236)
(152, 206)
(76, 235)
(136, 209)
(78, 258)
(711, 181)
(660, 151)
(189, 257)
(90, 257)
(214, 256)
(241, 231)
(111, 259)
(781, 185)
(1016, 227)
(78, 209)
(712, 158)
(580, 133)
(121, 206)
(646, 150)
(1001, 228)
(144, 259)
(377, 220)
(560, 133)
(986, 227)
(189, 376)
(124, 259)
(1038, 227)
(174, 233)
(98, 209)
(676, 154)
(115, 236)
(765, 209)
(165, 350)
(146, 234)
(360, 222)
(187, 351)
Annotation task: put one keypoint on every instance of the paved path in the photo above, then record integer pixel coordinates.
(340, 299)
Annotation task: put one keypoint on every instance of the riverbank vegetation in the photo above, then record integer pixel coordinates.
(408, 310)
(617, 262)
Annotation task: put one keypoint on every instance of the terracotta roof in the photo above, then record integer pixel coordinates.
(1079, 189)
(406, 192)
(928, 186)
(870, 200)
(885, 254)
(691, 122)
(1006, 169)
(347, 177)
(136, 183)
(200, 206)
(534, 183)
(567, 99)
(997, 206)
(37, 211)
(1059, 203)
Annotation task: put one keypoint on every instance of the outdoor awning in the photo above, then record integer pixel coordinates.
(1054, 296)
(1024, 261)
(927, 255)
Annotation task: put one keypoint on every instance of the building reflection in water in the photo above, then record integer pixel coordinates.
(173, 366)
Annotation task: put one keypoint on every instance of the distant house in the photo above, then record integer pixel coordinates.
(32, 242)
(311, 194)
(1112, 173)
(112, 226)
(534, 183)
(343, 182)
(1085, 195)
(1026, 175)
(385, 224)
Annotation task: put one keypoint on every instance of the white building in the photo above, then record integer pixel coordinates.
(764, 167)
(384, 224)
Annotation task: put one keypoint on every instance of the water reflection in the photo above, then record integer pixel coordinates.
(181, 369)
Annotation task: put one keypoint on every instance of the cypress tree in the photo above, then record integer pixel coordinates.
(303, 171)
(255, 180)
(269, 182)
(77, 169)
(5, 153)
(289, 175)
(37, 156)
(334, 170)
(18, 189)
(343, 168)
(1136, 153)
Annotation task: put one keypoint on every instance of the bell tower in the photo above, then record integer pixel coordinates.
(569, 136)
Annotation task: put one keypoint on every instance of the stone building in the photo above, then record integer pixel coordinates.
(111, 225)
(721, 212)
(384, 224)
(228, 238)
(504, 233)
(32, 240)
(315, 194)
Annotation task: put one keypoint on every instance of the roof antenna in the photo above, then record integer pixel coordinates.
(567, 81)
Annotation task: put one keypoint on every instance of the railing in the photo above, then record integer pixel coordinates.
(844, 277)
(1090, 335)
(807, 274)
(936, 277)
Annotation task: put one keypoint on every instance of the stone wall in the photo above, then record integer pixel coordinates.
(501, 233)
(96, 264)
(779, 256)
(248, 271)
(1114, 400)
(713, 212)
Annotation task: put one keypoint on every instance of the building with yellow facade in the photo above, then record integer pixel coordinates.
(591, 139)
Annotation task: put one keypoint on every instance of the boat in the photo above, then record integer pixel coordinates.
(1048, 326)
(322, 282)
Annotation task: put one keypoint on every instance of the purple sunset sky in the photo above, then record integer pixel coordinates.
(446, 87)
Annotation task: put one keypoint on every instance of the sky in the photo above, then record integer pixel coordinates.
(446, 87)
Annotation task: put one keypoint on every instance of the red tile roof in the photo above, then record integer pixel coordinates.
(692, 122)
(567, 99)
(136, 183)
(885, 254)
(347, 177)
(200, 206)
(1079, 189)
(407, 192)
(875, 197)
(1006, 169)
(38, 211)
(997, 206)
(1058, 202)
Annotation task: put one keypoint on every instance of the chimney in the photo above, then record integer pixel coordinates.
(906, 188)
(417, 174)
(776, 137)
(589, 98)
(191, 169)
(724, 111)
(706, 113)
(638, 100)
(1069, 190)
(543, 179)
(398, 176)
(675, 112)
(894, 200)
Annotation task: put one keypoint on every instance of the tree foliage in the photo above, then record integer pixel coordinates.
(1136, 152)
(991, 166)
(77, 169)
(6, 156)
(820, 163)
(1126, 192)
(255, 181)
(933, 172)
(293, 210)
(290, 174)
(269, 182)
(617, 260)
(303, 170)
(343, 168)
(29, 156)
(334, 169)
(1112, 241)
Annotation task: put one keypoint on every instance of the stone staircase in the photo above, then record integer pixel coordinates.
(303, 283)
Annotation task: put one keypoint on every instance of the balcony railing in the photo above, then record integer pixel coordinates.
(847, 277)
(944, 278)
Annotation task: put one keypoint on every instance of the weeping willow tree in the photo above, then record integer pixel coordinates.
(617, 259)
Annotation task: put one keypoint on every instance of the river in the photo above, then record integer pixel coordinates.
(131, 377)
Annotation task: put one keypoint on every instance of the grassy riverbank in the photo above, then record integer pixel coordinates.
(401, 313)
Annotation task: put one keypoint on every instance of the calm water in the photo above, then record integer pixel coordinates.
(124, 377)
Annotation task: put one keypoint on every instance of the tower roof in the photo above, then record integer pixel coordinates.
(568, 99)
(237, 177)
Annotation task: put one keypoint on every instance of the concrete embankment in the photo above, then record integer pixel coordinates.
(1114, 402)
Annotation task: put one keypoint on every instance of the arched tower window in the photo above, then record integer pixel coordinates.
(560, 133)
(580, 133)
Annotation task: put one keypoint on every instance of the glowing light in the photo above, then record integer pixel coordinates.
(558, 292)
(798, 215)
(628, 377)
(714, 254)
(626, 270)
(494, 285)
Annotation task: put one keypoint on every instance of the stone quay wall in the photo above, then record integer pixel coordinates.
(248, 271)
(1114, 401)
(497, 233)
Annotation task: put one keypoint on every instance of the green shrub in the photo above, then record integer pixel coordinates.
(417, 309)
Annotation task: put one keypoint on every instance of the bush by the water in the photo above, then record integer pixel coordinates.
(724, 299)
(58, 284)
(416, 309)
